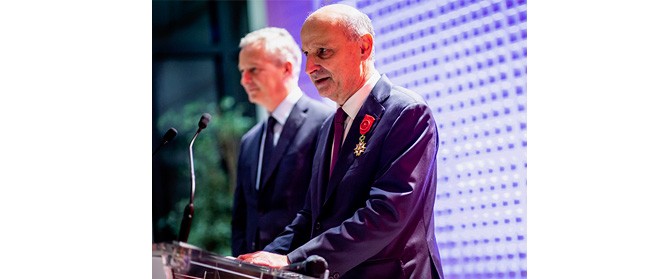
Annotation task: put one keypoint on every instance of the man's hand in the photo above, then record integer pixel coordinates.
(265, 258)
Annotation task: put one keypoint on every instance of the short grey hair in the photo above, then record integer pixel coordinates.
(278, 43)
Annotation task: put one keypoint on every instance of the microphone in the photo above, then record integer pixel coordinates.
(169, 136)
(188, 212)
(313, 266)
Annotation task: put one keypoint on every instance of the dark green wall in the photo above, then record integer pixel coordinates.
(195, 53)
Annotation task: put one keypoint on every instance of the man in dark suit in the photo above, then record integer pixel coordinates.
(369, 209)
(275, 159)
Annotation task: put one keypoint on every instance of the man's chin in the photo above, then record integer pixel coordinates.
(253, 99)
(324, 91)
(330, 95)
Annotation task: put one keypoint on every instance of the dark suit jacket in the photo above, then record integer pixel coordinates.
(260, 215)
(374, 218)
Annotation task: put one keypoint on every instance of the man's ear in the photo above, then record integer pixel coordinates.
(288, 68)
(366, 46)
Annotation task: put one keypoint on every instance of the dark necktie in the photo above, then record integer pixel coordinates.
(268, 147)
(340, 116)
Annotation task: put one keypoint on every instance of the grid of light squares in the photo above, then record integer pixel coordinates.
(467, 58)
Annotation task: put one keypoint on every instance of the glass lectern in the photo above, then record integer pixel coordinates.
(179, 260)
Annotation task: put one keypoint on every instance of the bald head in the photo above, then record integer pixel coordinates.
(355, 24)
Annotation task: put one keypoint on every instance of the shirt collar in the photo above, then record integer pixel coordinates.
(354, 103)
(281, 113)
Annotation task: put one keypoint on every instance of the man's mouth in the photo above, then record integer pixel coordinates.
(321, 81)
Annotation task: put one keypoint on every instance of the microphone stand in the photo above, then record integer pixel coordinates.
(189, 210)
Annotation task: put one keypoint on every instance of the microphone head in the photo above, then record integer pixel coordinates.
(204, 121)
(315, 265)
(170, 134)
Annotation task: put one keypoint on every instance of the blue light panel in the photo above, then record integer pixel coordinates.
(468, 59)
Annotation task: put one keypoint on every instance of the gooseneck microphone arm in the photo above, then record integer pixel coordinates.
(192, 167)
(189, 211)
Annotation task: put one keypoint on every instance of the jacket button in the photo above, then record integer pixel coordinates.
(254, 245)
(335, 275)
(317, 226)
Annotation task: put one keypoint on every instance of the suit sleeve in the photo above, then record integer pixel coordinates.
(404, 173)
(295, 234)
(239, 216)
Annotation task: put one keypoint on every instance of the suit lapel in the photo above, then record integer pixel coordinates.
(296, 118)
(325, 144)
(252, 149)
(372, 106)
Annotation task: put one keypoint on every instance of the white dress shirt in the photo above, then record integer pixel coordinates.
(352, 106)
(280, 114)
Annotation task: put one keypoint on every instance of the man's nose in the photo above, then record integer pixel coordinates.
(245, 77)
(311, 65)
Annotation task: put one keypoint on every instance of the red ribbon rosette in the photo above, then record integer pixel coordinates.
(365, 126)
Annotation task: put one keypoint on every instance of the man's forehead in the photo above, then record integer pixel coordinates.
(319, 33)
(316, 40)
(251, 55)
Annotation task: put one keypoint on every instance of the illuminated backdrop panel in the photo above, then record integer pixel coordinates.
(468, 59)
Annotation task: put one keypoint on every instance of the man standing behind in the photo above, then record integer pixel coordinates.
(369, 209)
(274, 163)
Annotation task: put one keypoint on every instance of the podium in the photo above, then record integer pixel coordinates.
(178, 260)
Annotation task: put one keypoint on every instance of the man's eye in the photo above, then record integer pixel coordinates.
(322, 52)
